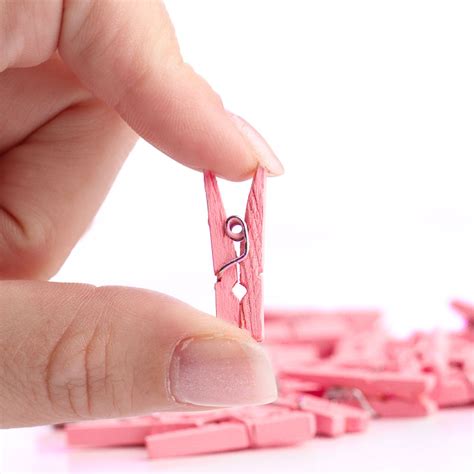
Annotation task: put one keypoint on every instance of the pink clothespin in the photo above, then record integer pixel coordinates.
(383, 393)
(292, 386)
(281, 354)
(245, 268)
(453, 388)
(212, 438)
(354, 318)
(364, 350)
(278, 428)
(241, 431)
(332, 419)
(133, 431)
(109, 433)
(182, 420)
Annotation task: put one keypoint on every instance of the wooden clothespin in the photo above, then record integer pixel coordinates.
(332, 419)
(110, 433)
(242, 430)
(383, 393)
(245, 268)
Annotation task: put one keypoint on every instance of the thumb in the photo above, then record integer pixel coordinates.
(126, 53)
(72, 352)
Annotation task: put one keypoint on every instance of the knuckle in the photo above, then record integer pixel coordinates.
(95, 34)
(26, 249)
(21, 25)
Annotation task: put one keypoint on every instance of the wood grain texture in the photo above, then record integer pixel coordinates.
(227, 304)
(247, 313)
(251, 314)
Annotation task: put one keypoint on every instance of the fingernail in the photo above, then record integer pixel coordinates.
(265, 155)
(220, 372)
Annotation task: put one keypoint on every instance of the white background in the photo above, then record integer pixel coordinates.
(370, 106)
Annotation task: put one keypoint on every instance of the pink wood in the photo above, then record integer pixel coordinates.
(453, 388)
(251, 268)
(256, 427)
(281, 354)
(328, 332)
(290, 386)
(362, 351)
(356, 419)
(104, 433)
(461, 352)
(165, 423)
(401, 356)
(248, 313)
(333, 419)
(404, 385)
(212, 438)
(197, 418)
(276, 331)
(399, 407)
(227, 304)
(432, 351)
(280, 429)
(166, 427)
(328, 423)
(256, 412)
(356, 318)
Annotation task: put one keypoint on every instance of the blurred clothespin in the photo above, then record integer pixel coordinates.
(332, 419)
(179, 434)
(382, 393)
(244, 268)
(275, 427)
(108, 433)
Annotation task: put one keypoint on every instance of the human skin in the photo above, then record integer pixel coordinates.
(80, 80)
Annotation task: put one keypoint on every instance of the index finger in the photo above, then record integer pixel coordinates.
(127, 54)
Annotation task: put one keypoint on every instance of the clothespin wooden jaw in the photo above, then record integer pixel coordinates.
(245, 268)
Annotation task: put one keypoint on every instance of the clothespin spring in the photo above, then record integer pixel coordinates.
(343, 393)
(241, 236)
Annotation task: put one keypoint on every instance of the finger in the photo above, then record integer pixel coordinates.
(31, 97)
(127, 54)
(73, 352)
(29, 31)
(52, 185)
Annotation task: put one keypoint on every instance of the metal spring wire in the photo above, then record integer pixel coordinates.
(242, 236)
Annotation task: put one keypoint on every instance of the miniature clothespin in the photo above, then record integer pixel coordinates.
(245, 268)
(447, 357)
(383, 393)
(109, 433)
(242, 429)
(332, 419)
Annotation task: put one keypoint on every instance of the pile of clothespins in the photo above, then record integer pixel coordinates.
(337, 371)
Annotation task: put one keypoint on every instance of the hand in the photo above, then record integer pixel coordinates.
(78, 81)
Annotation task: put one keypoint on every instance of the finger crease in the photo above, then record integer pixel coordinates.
(13, 219)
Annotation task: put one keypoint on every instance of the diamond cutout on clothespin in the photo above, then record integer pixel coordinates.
(239, 291)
